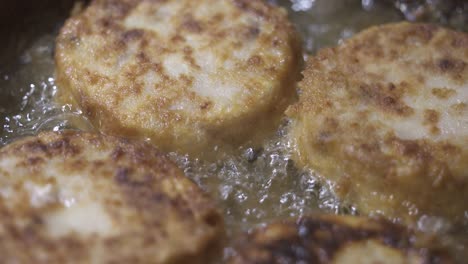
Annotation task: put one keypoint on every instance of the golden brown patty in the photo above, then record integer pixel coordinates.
(385, 117)
(188, 74)
(84, 198)
(333, 239)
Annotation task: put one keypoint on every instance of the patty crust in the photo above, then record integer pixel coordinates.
(384, 117)
(334, 239)
(79, 197)
(188, 74)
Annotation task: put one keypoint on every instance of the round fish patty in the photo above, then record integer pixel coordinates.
(384, 116)
(84, 198)
(188, 74)
(333, 239)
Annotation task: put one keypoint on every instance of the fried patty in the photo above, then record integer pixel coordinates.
(334, 239)
(83, 198)
(188, 74)
(384, 116)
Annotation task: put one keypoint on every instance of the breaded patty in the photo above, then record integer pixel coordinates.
(384, 116)
(84, 198)
(334, 239)
(188, 74)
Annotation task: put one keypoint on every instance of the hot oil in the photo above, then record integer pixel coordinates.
(253, 188)
(324, 23)
(28, 94)
(260, 185)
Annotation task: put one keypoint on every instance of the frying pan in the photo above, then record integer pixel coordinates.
(23, 21)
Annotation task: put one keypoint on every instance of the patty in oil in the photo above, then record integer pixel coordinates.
(384, 116)
(77, 197)
(334, 239)
(188, 74)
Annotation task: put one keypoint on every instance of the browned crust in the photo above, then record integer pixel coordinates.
(337, 123)
(162, 216)
(319, 239)
(266, 79)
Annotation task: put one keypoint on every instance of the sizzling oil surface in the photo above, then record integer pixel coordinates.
(254, 187)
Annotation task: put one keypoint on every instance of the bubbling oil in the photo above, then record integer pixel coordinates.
(260, 185)
(256, 186)
(29, 93)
